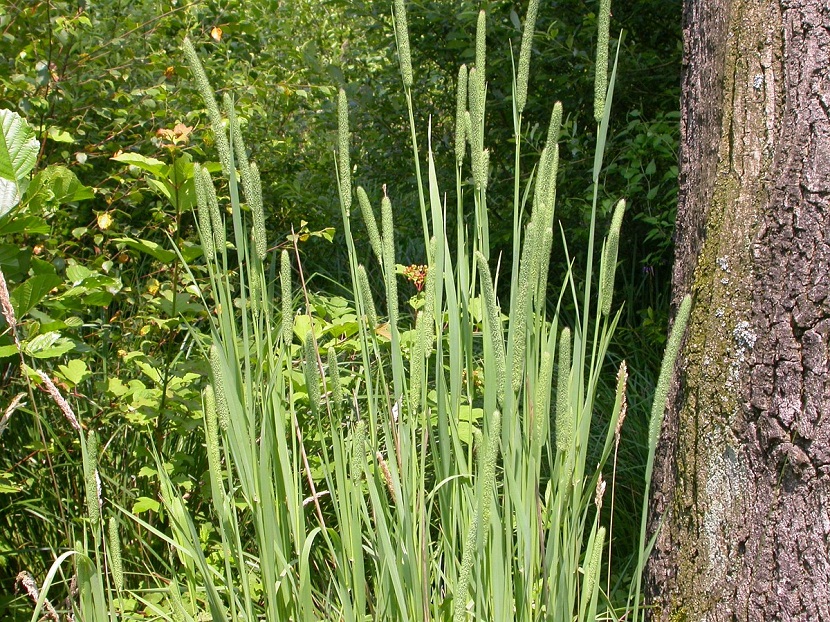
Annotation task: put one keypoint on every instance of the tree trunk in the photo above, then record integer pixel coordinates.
(742, 482)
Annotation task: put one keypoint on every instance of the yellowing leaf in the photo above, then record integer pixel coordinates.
(104, 221)
(216, 34)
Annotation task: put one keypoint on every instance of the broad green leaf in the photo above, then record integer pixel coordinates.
(18, 147)
(77, 273)
(18, 154)
(151, 248)
(75, 371)
(28, 294)
(151, 165)
(144, 504)
(56, 185)
(59, 135)
(162, 187)
(9, 195)
(23, 224)
(48, 345)
(6, 351)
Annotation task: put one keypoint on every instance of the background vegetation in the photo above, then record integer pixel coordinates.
(102, 302)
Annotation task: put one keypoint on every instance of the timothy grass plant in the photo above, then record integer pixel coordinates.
(434, 473)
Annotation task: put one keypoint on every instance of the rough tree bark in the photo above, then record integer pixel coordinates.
(742, 483)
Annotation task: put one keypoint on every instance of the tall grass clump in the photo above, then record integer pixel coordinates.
(442, 477)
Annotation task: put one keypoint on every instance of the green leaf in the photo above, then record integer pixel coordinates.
(48, 345)
(77, 273)
(18, 147)
(151, 248)
(75, 371)
(144, 504)
(56, 185)
(6, 351)
(59, 135)
(161, 187)
(21, 224)
(18, 154)
(28, 294)
(151, 165)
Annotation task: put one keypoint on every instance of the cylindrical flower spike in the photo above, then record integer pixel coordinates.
(402, 36)
(601, 69)
(564, 414)
(287, 299)
(343, 162)
(460, 110)
(371, 224)
(524, 55)
(609, 259)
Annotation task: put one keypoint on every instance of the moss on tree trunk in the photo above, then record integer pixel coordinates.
(742, 487)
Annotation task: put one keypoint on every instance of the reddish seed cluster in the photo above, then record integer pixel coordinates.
(417, 274)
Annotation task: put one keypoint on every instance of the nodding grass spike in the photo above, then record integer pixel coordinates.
(592, 568)
(661, 391)
(217, 223)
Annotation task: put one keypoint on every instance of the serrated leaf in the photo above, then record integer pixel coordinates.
(9, 196)
(56, 185)
(18, 146)
(28, 294)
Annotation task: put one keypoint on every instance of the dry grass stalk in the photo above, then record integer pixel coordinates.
(28, 582)
(15, 404)
(52, 390)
